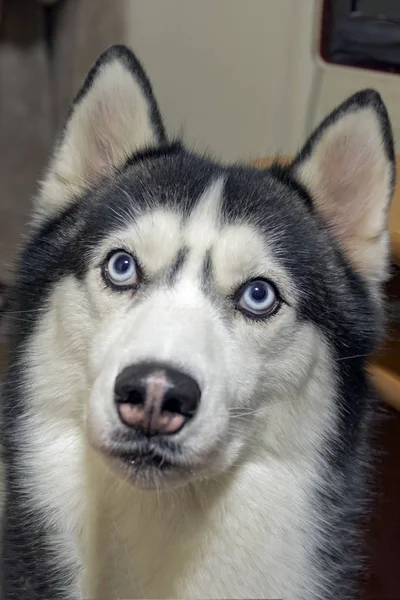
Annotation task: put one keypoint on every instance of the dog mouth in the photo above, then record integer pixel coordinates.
(147, 465)
(146, 461)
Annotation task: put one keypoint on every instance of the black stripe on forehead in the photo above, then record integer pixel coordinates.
(177, 265)
(206, 269)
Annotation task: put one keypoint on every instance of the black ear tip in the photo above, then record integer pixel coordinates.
(116, 52)
(370, 98)
(123, 55)
(119, 53)
(367, 98)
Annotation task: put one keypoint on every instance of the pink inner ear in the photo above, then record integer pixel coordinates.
(352, 178)
(349, 176)
(96, 164)
(104, 124)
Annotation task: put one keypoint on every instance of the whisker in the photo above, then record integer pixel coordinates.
(351, 357)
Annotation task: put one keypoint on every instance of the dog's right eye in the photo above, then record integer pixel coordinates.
(120, 269)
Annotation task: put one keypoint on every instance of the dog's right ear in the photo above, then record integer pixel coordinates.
(113, 116)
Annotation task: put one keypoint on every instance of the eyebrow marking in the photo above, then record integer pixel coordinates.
(207, 272)
(177, 265)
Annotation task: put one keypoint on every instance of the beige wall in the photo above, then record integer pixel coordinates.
(241, 77)
(234, 75)
(333, 84)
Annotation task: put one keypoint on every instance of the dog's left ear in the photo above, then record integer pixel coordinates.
(113, 117)
(348, 167)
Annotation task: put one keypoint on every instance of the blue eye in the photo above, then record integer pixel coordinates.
(259, 298)
(121, 269)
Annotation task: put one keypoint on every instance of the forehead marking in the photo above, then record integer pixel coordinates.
(207, 272)
(203, 226)
(177, 265)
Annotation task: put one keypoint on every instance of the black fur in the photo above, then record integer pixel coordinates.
(206, 276)
(177, 266)
(153, 153)
(332, 296)
(3, 297)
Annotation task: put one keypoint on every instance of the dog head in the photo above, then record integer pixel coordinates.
(200, 312)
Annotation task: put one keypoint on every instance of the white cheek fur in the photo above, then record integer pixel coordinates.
(266, 401)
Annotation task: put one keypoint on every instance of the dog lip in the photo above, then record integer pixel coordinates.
(142, 456)
(147, 464)
(140, 460)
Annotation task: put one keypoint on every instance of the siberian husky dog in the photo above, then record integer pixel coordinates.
(186, 407)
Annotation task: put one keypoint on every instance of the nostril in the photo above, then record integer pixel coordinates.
(181, 405)
(172, 404)
(135, 397)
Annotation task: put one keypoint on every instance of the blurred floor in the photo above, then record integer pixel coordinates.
(383, 546)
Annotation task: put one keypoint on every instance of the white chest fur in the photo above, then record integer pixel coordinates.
(246, 535)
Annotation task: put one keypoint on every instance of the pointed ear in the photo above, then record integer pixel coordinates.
(348, 167)
(113, 117)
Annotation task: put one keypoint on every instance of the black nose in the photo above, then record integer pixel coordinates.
(156, 398)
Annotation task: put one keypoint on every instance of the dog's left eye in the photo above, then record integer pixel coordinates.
(258, 298)
(120, 269)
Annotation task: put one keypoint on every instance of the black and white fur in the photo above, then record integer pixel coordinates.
(268, 486)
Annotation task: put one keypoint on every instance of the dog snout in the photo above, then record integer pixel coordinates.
(156, 399)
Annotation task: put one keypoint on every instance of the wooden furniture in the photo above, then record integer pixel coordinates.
(385, 370)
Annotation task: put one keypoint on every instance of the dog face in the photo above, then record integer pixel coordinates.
(200, 312)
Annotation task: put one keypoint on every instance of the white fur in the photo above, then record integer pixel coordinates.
(241, 526)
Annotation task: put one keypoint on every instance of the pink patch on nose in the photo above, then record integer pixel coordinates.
(150, 415)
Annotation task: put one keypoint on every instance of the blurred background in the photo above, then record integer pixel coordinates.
(247, 79)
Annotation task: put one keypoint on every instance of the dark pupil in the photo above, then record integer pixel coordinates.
(258, 292)
(122, 264)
